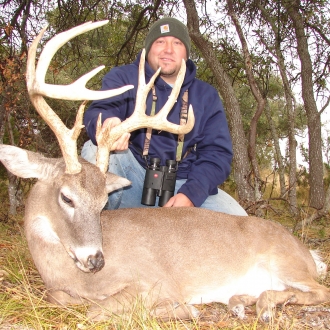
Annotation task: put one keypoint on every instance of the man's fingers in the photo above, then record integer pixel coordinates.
(112, 122)
(179, 200)
(122, 142)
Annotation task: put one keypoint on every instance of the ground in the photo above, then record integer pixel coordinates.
(22, 305)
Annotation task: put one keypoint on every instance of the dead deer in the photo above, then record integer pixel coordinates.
(172, 258)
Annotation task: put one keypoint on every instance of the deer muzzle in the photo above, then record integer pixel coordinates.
(88, 263)
(95, 262)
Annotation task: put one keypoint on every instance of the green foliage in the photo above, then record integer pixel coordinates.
(114, 44)
(3, 184)
(304, 152)
(326, 167)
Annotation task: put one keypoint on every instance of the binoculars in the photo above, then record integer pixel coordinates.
(159, 181)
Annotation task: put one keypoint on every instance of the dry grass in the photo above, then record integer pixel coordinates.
(22, 305)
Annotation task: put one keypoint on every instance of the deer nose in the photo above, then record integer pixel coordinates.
(95, 262)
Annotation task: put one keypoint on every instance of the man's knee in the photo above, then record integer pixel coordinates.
(88, 152)
(223, 202)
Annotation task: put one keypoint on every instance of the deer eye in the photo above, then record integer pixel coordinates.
(66, 200)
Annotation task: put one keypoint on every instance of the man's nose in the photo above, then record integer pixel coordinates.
(169, 47)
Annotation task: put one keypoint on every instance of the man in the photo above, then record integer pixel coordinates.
(206, 154)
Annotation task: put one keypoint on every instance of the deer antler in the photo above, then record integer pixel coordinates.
(107, 136)
(37, 88)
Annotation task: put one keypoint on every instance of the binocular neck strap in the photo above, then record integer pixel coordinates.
(183, 121)
(149, 130)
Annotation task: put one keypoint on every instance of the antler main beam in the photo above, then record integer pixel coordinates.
(37, 88)
(106, 137)
(76, 90)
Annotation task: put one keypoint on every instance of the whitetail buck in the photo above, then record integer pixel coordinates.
(172, 258)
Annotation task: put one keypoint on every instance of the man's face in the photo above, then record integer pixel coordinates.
(167, 53)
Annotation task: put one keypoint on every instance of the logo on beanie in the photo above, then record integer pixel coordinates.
(164, 28)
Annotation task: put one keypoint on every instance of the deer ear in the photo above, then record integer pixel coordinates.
(114, 182)
(23, 163)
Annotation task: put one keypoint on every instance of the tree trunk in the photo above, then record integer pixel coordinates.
(278, 155)
(14, 192)
(290, 107)
(317, 193)
(241, 160)
(261, 102)
(14, 201)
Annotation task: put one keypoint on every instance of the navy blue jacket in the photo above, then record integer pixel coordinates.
(209, 161)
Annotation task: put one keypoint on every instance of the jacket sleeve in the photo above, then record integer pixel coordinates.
(213, 155)
(116, 106)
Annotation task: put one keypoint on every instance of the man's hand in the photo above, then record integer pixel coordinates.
(122, 142)
(179, 200)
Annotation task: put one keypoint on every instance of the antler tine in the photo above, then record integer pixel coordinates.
(37, 88)
(107, 136)
(77, 89)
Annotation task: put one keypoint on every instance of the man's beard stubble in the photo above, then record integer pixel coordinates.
(167, 73)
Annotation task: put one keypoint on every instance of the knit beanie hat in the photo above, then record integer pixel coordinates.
(168, 26)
